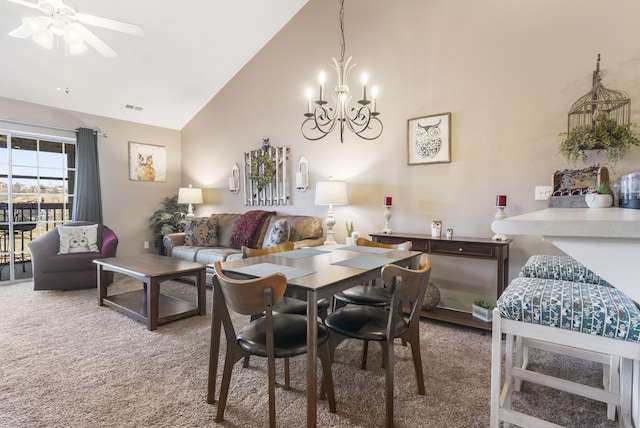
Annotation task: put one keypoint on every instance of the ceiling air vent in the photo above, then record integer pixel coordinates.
(132, 107)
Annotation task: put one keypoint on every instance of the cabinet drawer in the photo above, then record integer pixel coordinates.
(463, 249)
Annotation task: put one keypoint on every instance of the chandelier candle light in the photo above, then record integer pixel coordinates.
(361, 119)
(387, 215)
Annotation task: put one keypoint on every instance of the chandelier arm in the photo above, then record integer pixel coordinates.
(359, 127)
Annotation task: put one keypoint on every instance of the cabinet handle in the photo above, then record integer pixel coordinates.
(460, 250)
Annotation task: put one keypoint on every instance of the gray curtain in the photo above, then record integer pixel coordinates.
(87, 204)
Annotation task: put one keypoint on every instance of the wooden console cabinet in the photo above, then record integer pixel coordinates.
(475, 248)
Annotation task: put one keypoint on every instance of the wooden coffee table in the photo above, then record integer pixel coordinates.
(149, 305)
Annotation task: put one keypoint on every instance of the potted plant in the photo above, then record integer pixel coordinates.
(600, 196)
(349, 233)
(482, 310)
(169, 219)
(605, 135)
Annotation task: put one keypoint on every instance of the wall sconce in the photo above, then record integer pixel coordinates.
(302, 176)
(234, 180)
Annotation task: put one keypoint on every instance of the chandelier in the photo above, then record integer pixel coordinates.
(361, 118)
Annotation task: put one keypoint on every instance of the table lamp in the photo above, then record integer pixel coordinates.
(190, 195)
(331, 193)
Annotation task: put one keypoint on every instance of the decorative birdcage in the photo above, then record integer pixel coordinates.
(599, 105)
(599, 122)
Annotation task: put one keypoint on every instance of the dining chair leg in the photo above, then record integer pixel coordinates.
(287, 385)
(365, 351)
(271, 369)
(229, 360)
(389, 364)
(414, 342)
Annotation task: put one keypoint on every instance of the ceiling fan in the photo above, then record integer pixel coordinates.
(62, 20)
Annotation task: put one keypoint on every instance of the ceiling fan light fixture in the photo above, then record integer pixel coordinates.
(44, 39)
(77, 48)
(72, 34)
(62, 20)
(35, 25)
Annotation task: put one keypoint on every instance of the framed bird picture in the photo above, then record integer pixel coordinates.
(147, 162)
(429, 139)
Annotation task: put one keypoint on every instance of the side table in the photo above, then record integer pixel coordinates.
(475, 248)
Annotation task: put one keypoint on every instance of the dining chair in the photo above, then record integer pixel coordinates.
(384, 324)
(368, 294)
(286, 305)
(272, 336)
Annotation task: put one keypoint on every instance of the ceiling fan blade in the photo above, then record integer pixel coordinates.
(94, 41)
(21, 32)
(110, 24)
(24, 3)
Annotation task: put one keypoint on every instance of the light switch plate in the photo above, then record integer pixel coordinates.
(543, 193)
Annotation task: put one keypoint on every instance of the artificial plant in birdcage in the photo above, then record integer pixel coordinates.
(599, 120)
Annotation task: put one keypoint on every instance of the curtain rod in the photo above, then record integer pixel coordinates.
(18, 122)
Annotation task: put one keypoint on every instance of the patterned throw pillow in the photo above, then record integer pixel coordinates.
(278, 234)
(201, 232)
(78, 239)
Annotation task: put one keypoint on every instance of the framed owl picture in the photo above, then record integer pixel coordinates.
(147, 162)
(429, 139)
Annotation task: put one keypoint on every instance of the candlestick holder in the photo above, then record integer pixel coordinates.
(500, 215)
(387, 216)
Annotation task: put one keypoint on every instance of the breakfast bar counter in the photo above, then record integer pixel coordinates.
(606, 240)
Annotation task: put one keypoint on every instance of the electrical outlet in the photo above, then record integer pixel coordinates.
(542, 193)
(146, 245)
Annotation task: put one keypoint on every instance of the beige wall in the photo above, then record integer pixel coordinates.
(126, 204)
(508, 71)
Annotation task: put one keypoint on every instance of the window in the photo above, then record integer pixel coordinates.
(37, 178)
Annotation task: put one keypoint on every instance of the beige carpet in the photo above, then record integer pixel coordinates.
(66, 362)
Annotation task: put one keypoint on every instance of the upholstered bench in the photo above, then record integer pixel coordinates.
(585, 320)
(564, 268)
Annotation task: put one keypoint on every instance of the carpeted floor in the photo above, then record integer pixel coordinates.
(66, 362)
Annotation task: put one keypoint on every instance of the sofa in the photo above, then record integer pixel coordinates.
(220, 235)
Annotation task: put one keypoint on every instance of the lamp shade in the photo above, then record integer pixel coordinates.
(331, 193)
(189, 195)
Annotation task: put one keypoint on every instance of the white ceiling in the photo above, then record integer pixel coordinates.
(190, 50)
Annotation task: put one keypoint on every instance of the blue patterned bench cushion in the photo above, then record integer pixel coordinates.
(564, 268)
(587, 308)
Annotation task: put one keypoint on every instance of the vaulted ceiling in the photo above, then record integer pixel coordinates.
(189, 51)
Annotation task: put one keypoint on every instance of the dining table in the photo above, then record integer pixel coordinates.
(312, 273)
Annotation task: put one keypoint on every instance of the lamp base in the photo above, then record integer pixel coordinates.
(190, 212)
(331, 240)
(330, 222)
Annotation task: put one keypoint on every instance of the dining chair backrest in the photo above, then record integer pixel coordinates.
(251, 296)
(255, 252)
(403, 246)
(412, 286)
